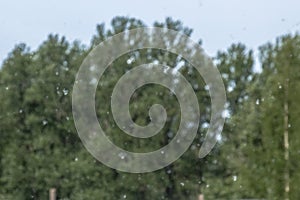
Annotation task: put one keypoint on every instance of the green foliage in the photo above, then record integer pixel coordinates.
(40, 148)
(258, 140)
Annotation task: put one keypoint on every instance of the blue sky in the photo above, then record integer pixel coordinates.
(217, 22)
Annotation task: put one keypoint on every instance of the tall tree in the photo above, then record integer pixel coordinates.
(267, 139)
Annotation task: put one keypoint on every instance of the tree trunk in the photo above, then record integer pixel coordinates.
(52, 194)
(286, 141)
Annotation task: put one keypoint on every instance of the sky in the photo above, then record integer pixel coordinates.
(218, 23)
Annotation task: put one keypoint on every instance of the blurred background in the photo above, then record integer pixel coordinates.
(254, 44)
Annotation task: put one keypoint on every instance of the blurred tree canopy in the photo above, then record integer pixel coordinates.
(256, 157)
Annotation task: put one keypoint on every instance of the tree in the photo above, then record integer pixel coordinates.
(41, 148)
(236, 67)
(267, 139)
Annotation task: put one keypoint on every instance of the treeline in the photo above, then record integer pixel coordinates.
(257, 156)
